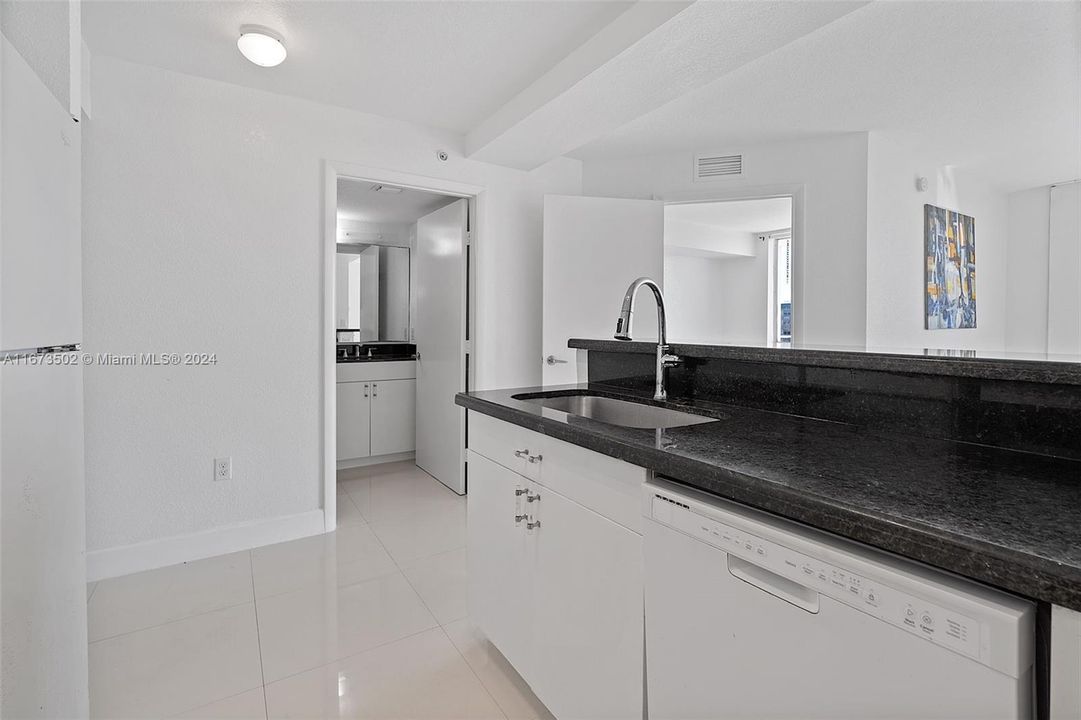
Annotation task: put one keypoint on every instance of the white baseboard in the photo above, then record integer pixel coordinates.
(127, 559)
(375, 460)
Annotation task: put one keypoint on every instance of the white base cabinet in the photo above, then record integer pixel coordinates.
(555, 574)
(587, 612)
(376, 410)
(500, 563)
(354, 420)
(394, 416)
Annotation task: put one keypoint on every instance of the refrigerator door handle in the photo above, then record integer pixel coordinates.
(44, 350)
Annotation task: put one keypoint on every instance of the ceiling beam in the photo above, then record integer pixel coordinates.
(650, 55)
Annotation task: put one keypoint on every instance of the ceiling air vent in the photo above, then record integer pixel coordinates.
(711, 167)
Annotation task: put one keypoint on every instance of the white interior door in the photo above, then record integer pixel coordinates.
(42, 486)
(440, 328)
(593, 249)
(1064, 269)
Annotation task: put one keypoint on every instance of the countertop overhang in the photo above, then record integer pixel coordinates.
(1005, 518)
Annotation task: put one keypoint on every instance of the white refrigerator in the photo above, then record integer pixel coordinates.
(42, 487)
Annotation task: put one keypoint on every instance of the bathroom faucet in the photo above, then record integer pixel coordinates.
(623, 332)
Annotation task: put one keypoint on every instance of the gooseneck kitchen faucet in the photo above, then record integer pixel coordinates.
(623, 332)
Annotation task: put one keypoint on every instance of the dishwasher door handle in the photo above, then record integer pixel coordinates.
(803, 597)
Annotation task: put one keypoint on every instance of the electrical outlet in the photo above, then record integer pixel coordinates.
(223, 468)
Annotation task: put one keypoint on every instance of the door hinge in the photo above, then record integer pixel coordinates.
(468, 239)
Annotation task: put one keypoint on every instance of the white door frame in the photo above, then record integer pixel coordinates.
(796, 192)
(332, 170)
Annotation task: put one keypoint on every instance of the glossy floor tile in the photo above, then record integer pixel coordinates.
(175, 667)
(245, 706)
(351, 554)
(370, 621)
(506, 686)
(416, 678)
(146, 599)
(440, 580)
(348, 512)
(316, 625)
(427, 531)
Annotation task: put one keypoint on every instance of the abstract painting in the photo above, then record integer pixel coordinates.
(950, 243)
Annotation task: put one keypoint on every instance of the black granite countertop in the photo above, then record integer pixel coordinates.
(1027, 367)
(378, 358)
(1009, 519)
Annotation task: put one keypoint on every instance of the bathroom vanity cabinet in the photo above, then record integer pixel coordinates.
(376, 411)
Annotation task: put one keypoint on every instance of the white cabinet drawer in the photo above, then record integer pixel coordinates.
(606, 486)
(504, 443)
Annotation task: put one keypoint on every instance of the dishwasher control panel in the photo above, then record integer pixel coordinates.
(905, 610)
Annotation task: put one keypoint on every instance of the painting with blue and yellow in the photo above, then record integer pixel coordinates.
(950, 240)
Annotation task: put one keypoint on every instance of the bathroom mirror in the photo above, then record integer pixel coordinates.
(372, 292)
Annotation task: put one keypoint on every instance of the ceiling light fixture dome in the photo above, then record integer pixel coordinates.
(261, 45)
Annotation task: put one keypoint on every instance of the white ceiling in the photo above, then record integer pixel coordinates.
(736, 216)
(993, 86)
(446, 64)
(357, 201)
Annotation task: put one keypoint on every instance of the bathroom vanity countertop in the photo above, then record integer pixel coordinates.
(1004, 518)
(378, 358)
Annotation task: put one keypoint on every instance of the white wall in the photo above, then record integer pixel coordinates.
(693, 299)
(745, 294)
(357, 231)
(895, 248)
(40, 33)
(203, 233)
(692, 238)
(1026, 279)
(715, 298)
(830, 268)
(1064, 271)
(717, 301)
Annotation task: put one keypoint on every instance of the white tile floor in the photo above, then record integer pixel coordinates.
(368, 622)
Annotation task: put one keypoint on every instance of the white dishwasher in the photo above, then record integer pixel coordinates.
(751, 616)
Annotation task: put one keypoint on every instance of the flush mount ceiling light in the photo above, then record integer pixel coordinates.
(261, 45)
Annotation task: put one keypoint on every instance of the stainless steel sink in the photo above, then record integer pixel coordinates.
(616, 412)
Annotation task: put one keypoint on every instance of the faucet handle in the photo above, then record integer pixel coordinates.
(669, 360)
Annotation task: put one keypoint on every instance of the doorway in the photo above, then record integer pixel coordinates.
(396, 323)
(728, 271)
